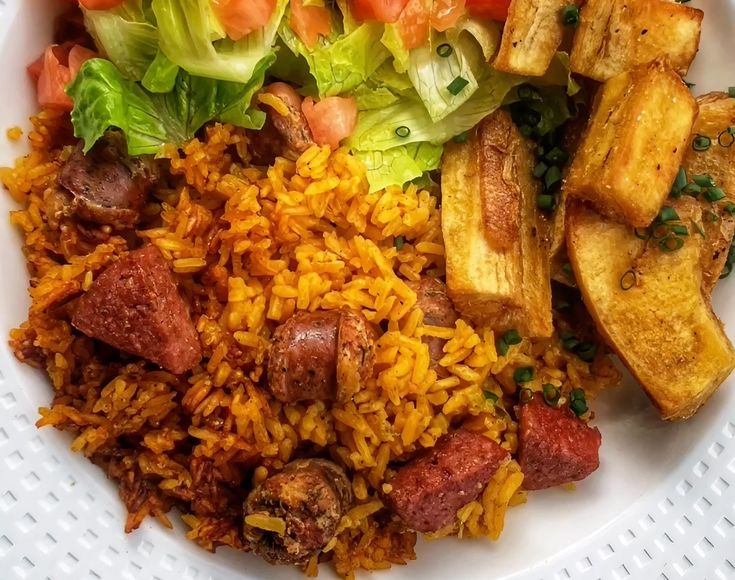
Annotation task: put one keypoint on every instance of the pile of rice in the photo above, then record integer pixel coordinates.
(250, 247)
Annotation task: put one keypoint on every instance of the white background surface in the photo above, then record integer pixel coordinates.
(662, 505)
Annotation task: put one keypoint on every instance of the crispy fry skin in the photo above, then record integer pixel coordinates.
(662, 328)
(634, 144)
(716, 116)
(616, 35)
(532, 33)
(497, 275)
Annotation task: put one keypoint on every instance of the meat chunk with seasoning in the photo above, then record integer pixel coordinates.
(285, 135)
(294, 514)
(106, 186)
(554, 445)
(134, 305)
(427, 492)
(432, 299)
(324, 355)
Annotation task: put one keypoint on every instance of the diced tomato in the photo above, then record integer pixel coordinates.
(414, 23)
(100, 4)
(492, 9)
(241, 17)
(308, 22)
(331, 119)
(59, 64)
(445, 13)
(381, 10)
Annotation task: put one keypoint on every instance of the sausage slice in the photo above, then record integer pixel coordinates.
(309, 498)
(134, 305)
(554, 445)
(433, 300)
(427, 492)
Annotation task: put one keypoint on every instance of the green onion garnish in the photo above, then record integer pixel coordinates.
(545, 201)
(557, 156)
(670, 244)
(730, 208)
(456, 86)
(551, 394)
(701, 143)
(528, 93)
(731, 92)
(714, 194)
(628, 280)
(552, 177)
(444, 50)
(570, 15)
(697, 227)
(693, 189)
(512, 337)
(679, 183)
(680, 230)
(567, 269)
(578, 407)
(540, 169)
(501, 346)
(490, 396)
(703, 180)
(668, 214)
(523, 374)
(398, 242)
(461, 138)
(587, 351)
(403, 131)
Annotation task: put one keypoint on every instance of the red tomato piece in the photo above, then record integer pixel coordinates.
(308, 22)
(78, 55)
(331, 119)
(381, 10)
(414, 23)
(241, 17)
(445, 13)
(492, 9)
(55, 69)
(100, 4)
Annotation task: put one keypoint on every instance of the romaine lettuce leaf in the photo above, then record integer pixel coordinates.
(191, 37)
(161, 75)
(399, 165)
(125, 35)
(104, 98)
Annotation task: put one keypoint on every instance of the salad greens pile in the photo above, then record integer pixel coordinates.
(172, 68)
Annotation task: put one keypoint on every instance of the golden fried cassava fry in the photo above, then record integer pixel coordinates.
(634, 143)
(651, 308)
(616, 35)
(497, 260)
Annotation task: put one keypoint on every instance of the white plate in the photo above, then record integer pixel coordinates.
(662, 504)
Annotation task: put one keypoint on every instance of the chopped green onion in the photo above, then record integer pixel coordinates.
(403, 131)
(456, 86)
(490, 396)
(512, 337)
(557, 156)
(697, 227)
(714, 194)
(679, 183)
(578, 407)
(531, 118)
(726, 138)
(680, 230)
(545, 201)
(551, 394)
(570, 15)
(628, 280)
(730, 208)
(693, 189)
(587, 351)
(703, 180)
(501, 346)
(731, 92)
(461, 138)
(525, 130)
(643, 233)
(540, 169)
(528, 93)
(576, 395)
(660, 231)
(444, 50)
(668, 214)
(570, 343)
(701, 143)
(670, 244)
(523, 374)
(552, 177)
(398, 242)
(567, 269)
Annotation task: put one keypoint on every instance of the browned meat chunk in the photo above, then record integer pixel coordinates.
(432, 299)
(282, 135)
(292, 515)
(108, 186)
(134, 305)
(428, 491)
(555, 446)
(320, 355)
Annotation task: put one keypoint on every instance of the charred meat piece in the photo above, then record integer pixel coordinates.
(320, 355)
(108, 187)
(555, 446)
(282, 135)
(292, 515)
(427, 492)
(432, 299)
(134, 305)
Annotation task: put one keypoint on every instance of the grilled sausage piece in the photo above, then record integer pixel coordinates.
(554, 445)
(282, 135)
(433, 300)
(134, 305)
(427, 492)
(310, 496)
(322, 355)
(108, 187)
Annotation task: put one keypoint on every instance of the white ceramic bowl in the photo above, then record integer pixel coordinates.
(662, 504)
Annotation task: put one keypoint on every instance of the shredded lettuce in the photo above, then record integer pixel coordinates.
(104, 98)
(191, 37)
(125, 35)
(399, 165)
